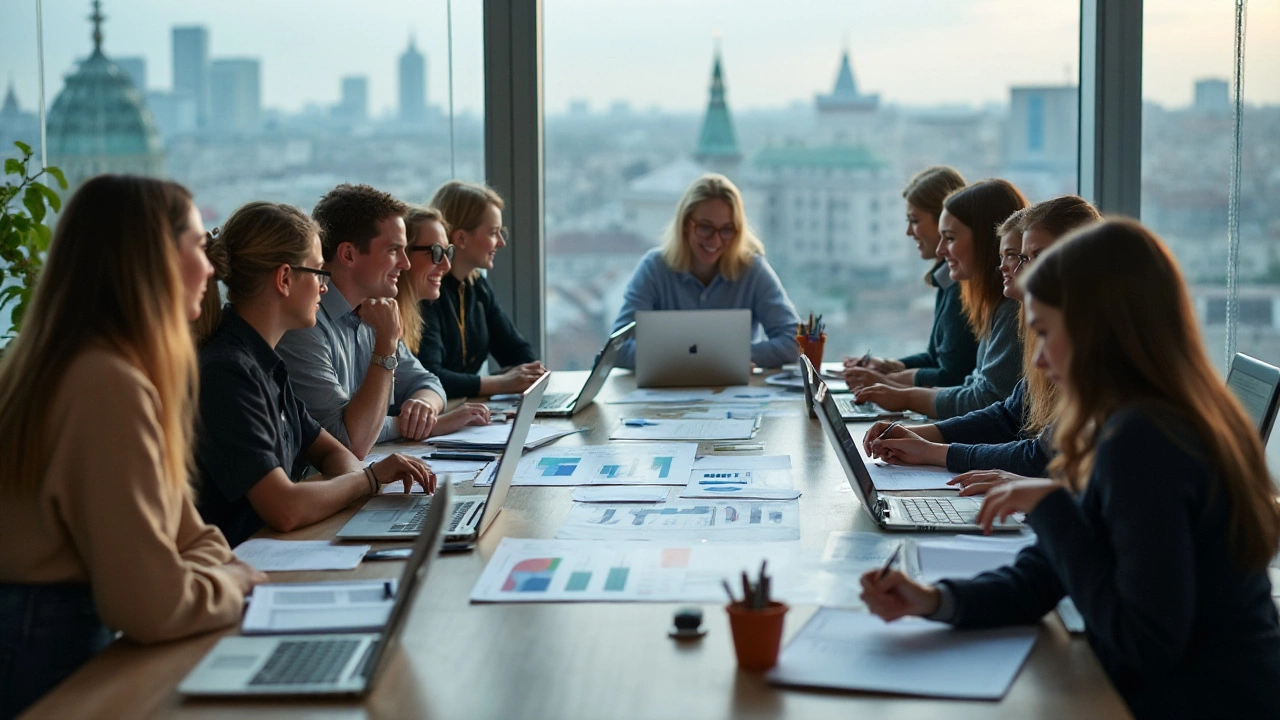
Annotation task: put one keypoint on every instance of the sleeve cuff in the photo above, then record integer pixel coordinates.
(947, 608)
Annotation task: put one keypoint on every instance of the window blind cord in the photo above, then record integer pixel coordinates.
(453, 152)
(1233, 192)
(44, 148)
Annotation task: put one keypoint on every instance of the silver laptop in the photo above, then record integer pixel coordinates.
(568, 404)
(947, 513)
(683, 348)
(1257, 386)
(321, 664)
(849, 410)
(395, 517)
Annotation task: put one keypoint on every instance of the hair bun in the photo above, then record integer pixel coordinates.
(220, 257)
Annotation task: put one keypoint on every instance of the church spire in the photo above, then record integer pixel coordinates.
(717, 145)
(97, 17)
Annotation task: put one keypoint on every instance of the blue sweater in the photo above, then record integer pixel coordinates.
(655, 286)
(993, 439)
(999, 366)
(952, 347)
(1180, 629)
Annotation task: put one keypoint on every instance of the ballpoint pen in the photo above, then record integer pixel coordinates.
(892, 559)
(863, 360)
(891, 426)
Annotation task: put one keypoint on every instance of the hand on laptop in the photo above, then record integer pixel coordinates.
(1013, 497)
(243, 574)
(979, 482)
(462, 416)
(895, 595)
(407, 468)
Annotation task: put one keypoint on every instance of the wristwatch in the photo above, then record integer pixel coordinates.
(388, 362)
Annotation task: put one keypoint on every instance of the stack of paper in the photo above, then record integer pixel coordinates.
(669, 429)
(665, 395)
(270, 555)
(905, 477)
(494, 437)
(351, 606)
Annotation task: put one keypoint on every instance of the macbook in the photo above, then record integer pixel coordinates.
(568, 404)
(849, 410)
(947, 513)
(683, 348)
(1257, 386)
(330, 664)
(395, 517)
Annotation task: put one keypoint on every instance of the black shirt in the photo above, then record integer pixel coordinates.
(250, 423)
(456, 358)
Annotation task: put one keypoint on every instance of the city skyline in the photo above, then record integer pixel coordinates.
(894, 53)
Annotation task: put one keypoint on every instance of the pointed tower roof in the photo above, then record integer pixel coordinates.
(10, 106)
(845, 95)
(717, 143)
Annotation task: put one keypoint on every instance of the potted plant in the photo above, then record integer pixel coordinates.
(24, 235)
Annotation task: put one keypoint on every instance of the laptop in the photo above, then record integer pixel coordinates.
(1257, 386)
(849, 410)
(698, 348)
(568, 404)
(396, 517)
(946, 513)
(328, 664)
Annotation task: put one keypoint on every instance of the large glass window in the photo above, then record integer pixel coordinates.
(243, 100)
(820, 149)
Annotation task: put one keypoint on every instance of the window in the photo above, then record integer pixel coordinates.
(846, 114)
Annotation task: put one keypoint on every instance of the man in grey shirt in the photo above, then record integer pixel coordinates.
(351, 370)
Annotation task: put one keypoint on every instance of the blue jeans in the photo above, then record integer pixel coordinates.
(46, 633)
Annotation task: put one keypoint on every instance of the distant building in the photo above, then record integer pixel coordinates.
(844, 116)
(191, 68)
(1213, 97)
(717, 144)
(136, 68)
(1041, 140)
(17, 124)
(413, 85)
(235, 92)
(100, 123)
(174, 113)
(354, 104)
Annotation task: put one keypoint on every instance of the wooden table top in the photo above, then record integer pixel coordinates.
(581, 660)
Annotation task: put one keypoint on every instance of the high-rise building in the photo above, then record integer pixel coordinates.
(191, 68)
(136, 68)
(354, 104)
(235, 93)
(413, 85)
(1213, 97)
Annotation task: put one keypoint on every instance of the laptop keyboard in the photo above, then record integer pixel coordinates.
(933, 511)
(847, 406)
(555, 401)
(306, 662)
(415, 523)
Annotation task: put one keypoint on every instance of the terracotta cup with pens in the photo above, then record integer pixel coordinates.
(812, 338)
(756, 623)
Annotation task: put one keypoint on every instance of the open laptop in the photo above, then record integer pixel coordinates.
(395, 517)
(947, 513)
(568, 404)
(849, 410)
(684, 348)
(1257, 386)
(321, 664)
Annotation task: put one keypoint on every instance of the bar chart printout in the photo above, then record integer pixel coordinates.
(616, 464)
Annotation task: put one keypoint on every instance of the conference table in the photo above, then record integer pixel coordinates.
(582, 660)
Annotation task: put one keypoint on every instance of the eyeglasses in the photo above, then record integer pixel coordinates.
(322, 276)
(1023, 260)
(706, 231)
(438, 252)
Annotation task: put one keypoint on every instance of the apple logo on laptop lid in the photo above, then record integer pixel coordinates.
(693, 349)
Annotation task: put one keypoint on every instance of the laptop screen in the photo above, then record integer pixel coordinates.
(604, 363)
(844, 445)
(1255, 384)
(505, 472)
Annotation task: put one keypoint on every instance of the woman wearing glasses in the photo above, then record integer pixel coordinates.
(465, 326)
(710, 260)
(255, 438)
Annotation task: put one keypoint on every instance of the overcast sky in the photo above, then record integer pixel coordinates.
(656, 53)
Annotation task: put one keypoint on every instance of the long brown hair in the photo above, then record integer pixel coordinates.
(982, 207)
(1057, 217)
(257, 239)
(738, 254)
(926, 190)
(1134, 339)
(407, 297)
(111, 279)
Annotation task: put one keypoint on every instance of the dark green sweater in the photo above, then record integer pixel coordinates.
(953, 349)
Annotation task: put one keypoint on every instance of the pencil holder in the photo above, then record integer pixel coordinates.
(757, 634)
(812, 349)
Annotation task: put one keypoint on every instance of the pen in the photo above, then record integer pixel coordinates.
(388, 593)
(482, 457)
(863, 360)
(637, 422)
(892, 559)
(892, 425)
(732, 599)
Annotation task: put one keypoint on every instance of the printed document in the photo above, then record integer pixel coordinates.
(684, 521)
(347, 606)
(672, 429)
(270, 555)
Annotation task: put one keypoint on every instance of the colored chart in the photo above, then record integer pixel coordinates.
(663, 466)
(532, 575)
(613, 464)
(617, 579)
(558, 466)
(578, 581)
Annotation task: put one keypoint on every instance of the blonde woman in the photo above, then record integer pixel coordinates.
(952, 348)
(710, 259)
(255, 436)
(98, 532)
(466, 325)
(1160, 519)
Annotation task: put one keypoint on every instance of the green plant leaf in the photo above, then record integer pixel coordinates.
(34, 203)
(13, 167)
(57, 173)
(21, 223)
(55, 202)
(45, 235)
(25, 148)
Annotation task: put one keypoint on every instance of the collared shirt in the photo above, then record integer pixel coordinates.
(328, 363)
(655, 286)
(250, 424)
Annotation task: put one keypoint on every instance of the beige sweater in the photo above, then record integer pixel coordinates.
(104, 516)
